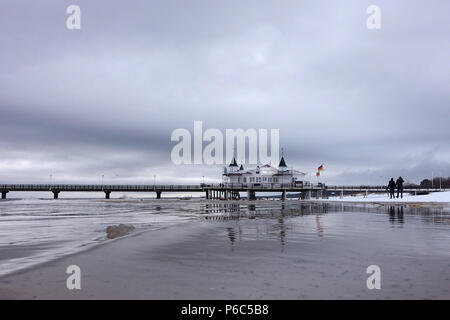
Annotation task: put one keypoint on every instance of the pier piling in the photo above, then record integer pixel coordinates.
(251, 195)
(214, 191)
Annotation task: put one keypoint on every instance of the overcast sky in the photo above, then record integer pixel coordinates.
(104, 100)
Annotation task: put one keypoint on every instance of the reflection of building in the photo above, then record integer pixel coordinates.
(262, 174)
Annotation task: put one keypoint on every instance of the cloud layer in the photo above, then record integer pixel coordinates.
(104, 100)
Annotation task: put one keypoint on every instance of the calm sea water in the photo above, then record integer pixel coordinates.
(34, 231)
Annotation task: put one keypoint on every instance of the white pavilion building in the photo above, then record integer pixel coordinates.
(266, 174)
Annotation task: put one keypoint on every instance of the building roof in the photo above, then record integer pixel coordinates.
(265, 169)
(290, 172)
(282, 163)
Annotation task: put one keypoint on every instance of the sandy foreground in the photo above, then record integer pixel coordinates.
(204, 260)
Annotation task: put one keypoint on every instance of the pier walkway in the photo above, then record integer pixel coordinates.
(212, 191)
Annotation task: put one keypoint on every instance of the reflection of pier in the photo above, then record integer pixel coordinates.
(319, 227)
(274, 220)
(236, 210)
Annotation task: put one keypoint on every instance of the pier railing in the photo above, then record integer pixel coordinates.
(159, 187)
(202, 187)
(96, 187)
(382, 188)
(232, 188)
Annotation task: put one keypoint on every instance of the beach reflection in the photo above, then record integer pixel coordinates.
(319, 227)
(34, 231)
(396, 214)
(231, 236)
(303, 222)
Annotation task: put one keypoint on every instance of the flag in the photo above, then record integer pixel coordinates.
(319, 169)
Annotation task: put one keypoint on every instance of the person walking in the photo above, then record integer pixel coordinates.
(399, 185)
(391, 188)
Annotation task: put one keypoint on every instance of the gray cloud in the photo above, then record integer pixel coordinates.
(105, 99)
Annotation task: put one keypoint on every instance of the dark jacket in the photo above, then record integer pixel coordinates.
(399, 183)
(391, 184)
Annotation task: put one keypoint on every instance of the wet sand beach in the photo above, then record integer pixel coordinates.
(272, 253)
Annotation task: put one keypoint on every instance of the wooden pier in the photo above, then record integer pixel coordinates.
(211, 191)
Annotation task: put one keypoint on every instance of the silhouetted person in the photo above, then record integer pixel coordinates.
(399, 185)
(391, 188)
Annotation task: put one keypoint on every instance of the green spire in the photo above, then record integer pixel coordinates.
(282, 163)
(241, 168)
(233, 163)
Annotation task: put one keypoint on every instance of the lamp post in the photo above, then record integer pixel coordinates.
(432, 180)
(103, 176)
(203, 179)
(154, 179)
